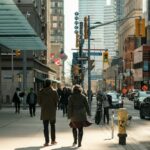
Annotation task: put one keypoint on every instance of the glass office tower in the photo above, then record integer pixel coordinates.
(95, 9)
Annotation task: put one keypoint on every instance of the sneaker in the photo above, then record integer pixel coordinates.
(53, 142)
(46, 144)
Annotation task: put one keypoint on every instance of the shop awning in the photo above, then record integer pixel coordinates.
(15, 31)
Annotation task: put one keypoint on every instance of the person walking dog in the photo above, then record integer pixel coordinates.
(48, 100)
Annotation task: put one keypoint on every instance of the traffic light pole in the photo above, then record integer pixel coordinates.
(89, 32)
(89, 69)
(80, 52)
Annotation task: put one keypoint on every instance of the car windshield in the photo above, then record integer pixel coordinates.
(114, 96)
(144, 94)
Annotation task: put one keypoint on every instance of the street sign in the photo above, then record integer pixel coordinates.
(83, 58)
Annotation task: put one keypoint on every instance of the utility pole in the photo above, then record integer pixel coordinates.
(80, 52)
(89, 69)
(25, 70)
(88, 37)
(0, 81)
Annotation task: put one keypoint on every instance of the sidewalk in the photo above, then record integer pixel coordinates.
(21, 132)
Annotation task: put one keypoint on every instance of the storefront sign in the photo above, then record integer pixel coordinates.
(138, 74)
(138, 55)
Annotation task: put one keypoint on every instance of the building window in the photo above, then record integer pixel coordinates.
(146, 66)
(55, 18)
(148, 10)
(54, 25)
(60, 4)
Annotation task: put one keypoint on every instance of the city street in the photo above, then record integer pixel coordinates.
(22, 132)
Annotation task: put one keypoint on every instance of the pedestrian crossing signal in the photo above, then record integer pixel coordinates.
(140, 27)
(76, 70)
(18, 52)
(105, 57)
(86, 27)
(77, 39)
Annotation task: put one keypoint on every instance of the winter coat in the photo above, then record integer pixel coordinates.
(29, 100)
(16, 98)
(102, 98)
(78, 107)
(105, 102)
(48, 99)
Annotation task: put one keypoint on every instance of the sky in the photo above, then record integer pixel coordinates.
(70, 7)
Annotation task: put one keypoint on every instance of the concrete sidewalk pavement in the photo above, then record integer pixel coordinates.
(22, 132)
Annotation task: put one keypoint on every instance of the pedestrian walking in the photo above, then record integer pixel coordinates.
(99, 110)
(64, 100)
(59, 92)
(77, 109)
(102, 108)
(17, 100)
(106, 106)
(32, 101)
(48, 100)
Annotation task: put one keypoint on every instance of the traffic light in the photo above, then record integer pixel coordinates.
(140, 27)
(18, 52)
(86, 27)
(76, 70)
(77, 39)
(105, 56)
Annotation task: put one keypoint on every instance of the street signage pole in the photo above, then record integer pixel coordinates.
(80, 53)
(89, 70)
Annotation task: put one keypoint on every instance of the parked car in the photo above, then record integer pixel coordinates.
(132, 94)
(141, 95)
(145, 108)
(117, 101)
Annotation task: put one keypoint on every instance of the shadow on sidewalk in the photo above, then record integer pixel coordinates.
(30, 148)
(66, 148)
(40, 147)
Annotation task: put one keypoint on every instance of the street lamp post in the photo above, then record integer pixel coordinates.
(89, 33)
(115, 79)
(25, 69)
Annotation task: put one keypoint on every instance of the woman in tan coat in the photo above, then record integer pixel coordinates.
(77, 109)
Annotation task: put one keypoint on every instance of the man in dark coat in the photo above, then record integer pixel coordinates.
(32, 100)
(48, 100)
(17, 100)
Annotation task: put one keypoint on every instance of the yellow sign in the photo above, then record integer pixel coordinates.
(140, 27)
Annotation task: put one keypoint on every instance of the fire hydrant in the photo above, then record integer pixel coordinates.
(122, 122)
